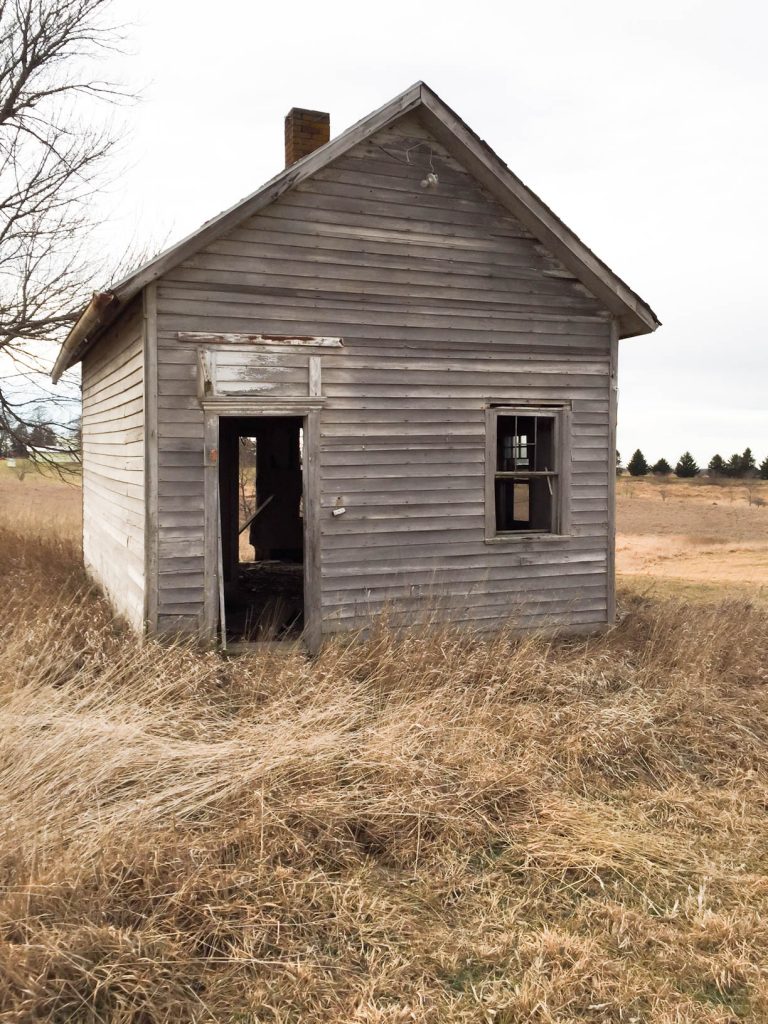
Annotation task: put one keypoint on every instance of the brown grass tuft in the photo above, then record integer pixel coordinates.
(441, 827)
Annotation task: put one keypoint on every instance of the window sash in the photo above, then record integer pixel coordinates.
(559, 415)
(502, 473)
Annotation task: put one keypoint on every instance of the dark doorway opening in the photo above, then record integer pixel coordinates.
(262, 526)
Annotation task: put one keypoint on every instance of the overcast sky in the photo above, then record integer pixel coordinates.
(643, 126)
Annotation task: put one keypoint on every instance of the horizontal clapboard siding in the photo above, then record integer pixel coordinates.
(445, 303)
(113, 465)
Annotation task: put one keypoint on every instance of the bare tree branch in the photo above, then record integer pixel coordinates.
(52, 161)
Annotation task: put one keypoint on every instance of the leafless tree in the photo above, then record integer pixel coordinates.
(54, 154)
(752, 487)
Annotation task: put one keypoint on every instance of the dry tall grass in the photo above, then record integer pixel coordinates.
(435, 828)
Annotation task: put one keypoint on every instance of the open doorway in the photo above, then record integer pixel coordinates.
(262, 526)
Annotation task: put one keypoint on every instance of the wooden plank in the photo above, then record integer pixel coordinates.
(528, 614)
(128, 495)
(313, 608)
(118, 382)
(258, 339)
(114, 444)
(367, 162)
(210, 595)
(107, 359)
(275, 228)
(414, 498)
(489, 465)
(452, 578)
(315, 379)
(426, 536)
(489, 390)
(521, 352)
(119, 400)
(482, 589)
(312, 245)
(364, 184)
(567, 444)
(523, 296)
(613, 393)
(280, 305)
(481, 278)
(257, 405)
(427, 554)
(449, 559)
(152, 440)
(122, 470)
(183, 565)
(219, 574)
(323, 209)
(231, 357)
(129, 411)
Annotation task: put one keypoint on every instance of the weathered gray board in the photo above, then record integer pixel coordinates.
(113, 464)
(446, 304)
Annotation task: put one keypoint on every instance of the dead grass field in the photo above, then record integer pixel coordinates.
(693, 538)
(437, 828)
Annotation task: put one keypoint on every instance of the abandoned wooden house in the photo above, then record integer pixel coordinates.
(405, 359)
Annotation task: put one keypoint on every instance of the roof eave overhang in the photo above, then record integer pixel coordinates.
(102, 310)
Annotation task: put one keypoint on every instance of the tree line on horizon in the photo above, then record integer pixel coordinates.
(736, 467)
(27, 438)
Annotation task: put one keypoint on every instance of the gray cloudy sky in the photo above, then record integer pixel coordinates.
(643, 125)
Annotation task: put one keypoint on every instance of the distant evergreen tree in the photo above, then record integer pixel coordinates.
(733, 466)
(686, 467)
(747, 463)
(42, 435)
(661, 468)
(637, 465)
(716, 466)
(618, 463)
(19, 441)
(763, 471)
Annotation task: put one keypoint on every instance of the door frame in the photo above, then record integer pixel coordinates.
(309, 412)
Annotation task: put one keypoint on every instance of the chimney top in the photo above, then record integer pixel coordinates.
(305, 131)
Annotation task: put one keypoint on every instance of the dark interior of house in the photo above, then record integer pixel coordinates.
(524, 457)
(262, 527)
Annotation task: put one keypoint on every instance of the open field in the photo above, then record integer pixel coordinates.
(443, 828)
(693, 538)
(42, 499)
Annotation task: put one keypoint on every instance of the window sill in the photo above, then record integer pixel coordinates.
(528, 537)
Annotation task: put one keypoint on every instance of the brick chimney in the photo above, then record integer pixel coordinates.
(305, 131)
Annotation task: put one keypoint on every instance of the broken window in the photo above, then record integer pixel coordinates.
(523, 486)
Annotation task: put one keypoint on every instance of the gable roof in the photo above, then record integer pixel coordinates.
(635, 316)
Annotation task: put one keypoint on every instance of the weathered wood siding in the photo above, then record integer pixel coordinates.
(113, 465)
(445, 303)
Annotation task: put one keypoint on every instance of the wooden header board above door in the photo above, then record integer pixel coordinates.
(265, 368)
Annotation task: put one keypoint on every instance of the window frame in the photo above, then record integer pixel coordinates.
(560, 414)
